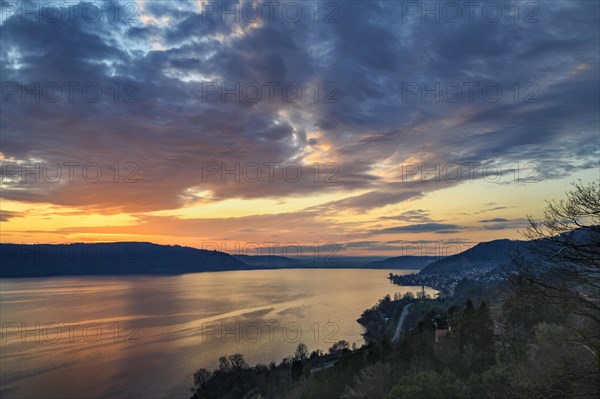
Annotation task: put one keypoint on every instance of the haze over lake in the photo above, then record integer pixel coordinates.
(145, 336)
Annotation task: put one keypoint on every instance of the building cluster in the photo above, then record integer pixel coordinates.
(446, 282)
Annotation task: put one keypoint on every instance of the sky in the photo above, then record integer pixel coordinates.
(344, 127)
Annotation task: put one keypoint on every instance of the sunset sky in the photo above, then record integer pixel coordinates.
(403, 160)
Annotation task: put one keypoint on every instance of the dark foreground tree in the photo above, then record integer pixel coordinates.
(562, 272)
(484, 337)
(565, 267)
(296, 370)
(301, 352)
(201, 377)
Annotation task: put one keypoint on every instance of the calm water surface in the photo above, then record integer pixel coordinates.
(144, 337)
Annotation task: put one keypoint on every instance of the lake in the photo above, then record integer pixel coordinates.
(141, 336)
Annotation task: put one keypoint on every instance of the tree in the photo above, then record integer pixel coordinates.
(484, 336)
(237, 362)
(427, 384)
(466, 325)
(557, 367)
(296, 370)
(409, 296)
(484, 327)
(341, 345)
(301, 352)
(316, 353)
(565, 266)
(224, 364)
(201, 377)
(373, 382)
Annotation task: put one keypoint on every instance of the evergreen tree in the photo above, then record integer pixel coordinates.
(296, 370)
(484, 336)
(466, 326)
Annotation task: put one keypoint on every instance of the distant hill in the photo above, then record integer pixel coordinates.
(268, 261)
(137, 258)
(338, 262)
(404, 262)
(486, 255)
(41, 260)
(309, 262)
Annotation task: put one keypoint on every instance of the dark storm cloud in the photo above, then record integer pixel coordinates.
(426, 242)
(414, 215)
(370, 53)
(504, 224)
(420, 228)
(495, 220)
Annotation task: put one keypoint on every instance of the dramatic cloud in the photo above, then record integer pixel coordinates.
(495, 220)
(420, 228)
(6, 216)
(182, 106)
(414, 215)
